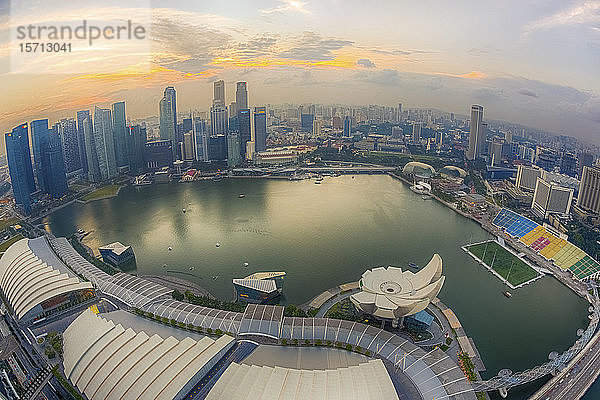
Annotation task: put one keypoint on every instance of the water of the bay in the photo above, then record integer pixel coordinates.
(324, 235)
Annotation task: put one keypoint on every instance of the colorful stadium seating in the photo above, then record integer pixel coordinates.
(564, 254)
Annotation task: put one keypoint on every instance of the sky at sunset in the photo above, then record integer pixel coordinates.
(534, 62)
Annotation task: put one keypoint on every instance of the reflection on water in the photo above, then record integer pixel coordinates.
(324, 235)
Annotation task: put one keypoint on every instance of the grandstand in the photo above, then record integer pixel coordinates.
(564, 254)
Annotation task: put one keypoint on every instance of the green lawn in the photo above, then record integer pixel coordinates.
(9, 242)
(5, 223)
(502, 262)
(110, 190)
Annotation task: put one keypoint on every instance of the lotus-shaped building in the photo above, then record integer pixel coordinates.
(390, 293)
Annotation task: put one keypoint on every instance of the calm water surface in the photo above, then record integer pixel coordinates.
(324, 235)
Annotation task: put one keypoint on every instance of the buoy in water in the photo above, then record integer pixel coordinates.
(218, 245)
(170, 248)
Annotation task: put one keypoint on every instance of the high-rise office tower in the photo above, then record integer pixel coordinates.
(105, 147)
(477, 133)
(260, 128)
(168, 116)
(93, 173)
(241, 96)
(589, 190)
(306, 122)
(527, 177)
(201, 136)
(136, 140)
(347, 126)
(233, 109)
(416, 132)
(189, 150)
(316, 130)
(568, 164)
(19, 166)
(158, 154)
(81, 116)
(67, 130)
(397, 132)
(120, 132)
(39, 134)
(233, 149)
(219, 122)
(551, 198)
(53, 164)
(219, 93)
(244, 129)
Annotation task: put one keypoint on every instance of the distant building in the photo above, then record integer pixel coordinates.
(550, 198)
(589, 190)
(241, 96)
(585, 159)
(104, 143)
(233, 149)
(219, 123)
(416, 132)
(347, 126)
(39, 135)
(81, 116)
(67, 130)
(217, 148)
(336, 122)
(495, 152)
(188, 146)
(93, 168)
(250, 149)
(477, 133)
(259, 287)
(116, 254)
(306, 122)
(260, 128)
(167, 109)
(19, 166)
(120, 133)
(219, 93)
(53, 165)
(201, 135)
(158, 154)
(568, 164)
(136, 140)
(527, 177)
(244, 129)
(397, 132)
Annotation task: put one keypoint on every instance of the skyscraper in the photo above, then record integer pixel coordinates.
(241, 96)
(244, 129)
(477, 134)
(105, 147)
(67, 130)
(306, 122)
(39, 134)
(218, 120)
(120, 133)
(585, 159)
(168, 116)
(347, 126)
(136, 140)
(93, 173)
(233, 149)
(201, 135)
(53, 164)
(416, 132)
(219, 93)
(81, 116)
(589, 190)
(19, 166)
(260, 128)
(189, 149)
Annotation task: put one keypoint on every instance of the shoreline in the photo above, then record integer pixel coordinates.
(108, 196)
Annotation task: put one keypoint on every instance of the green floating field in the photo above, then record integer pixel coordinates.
(506, 264)
(106, 191)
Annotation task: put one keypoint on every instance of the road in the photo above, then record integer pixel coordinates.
(576, 378)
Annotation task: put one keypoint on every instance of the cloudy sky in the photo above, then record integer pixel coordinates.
(535, 62)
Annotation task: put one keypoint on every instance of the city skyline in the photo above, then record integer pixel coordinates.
(299, 52)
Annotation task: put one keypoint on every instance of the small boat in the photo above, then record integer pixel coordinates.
(164, 265)
(353, 177)
(215, 277)
(319, 178)
(192, 268)
(218, 245)
(242, 195)
(413, 265)
(317, 182)
(246, 264)
(507, 294)
(80, 231)
(170, 248)
(183, 210)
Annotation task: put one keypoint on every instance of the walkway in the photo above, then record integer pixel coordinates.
(318, 301)
(333, 301)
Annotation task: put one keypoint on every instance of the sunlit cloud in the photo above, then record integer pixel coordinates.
(582, 13)
(468, 75)
(287, 5)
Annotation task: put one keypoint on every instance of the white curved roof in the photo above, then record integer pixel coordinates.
(30, 273)
(106, 361)
(414, 166)
(365, 381)
(392, 293)
(453, 171)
